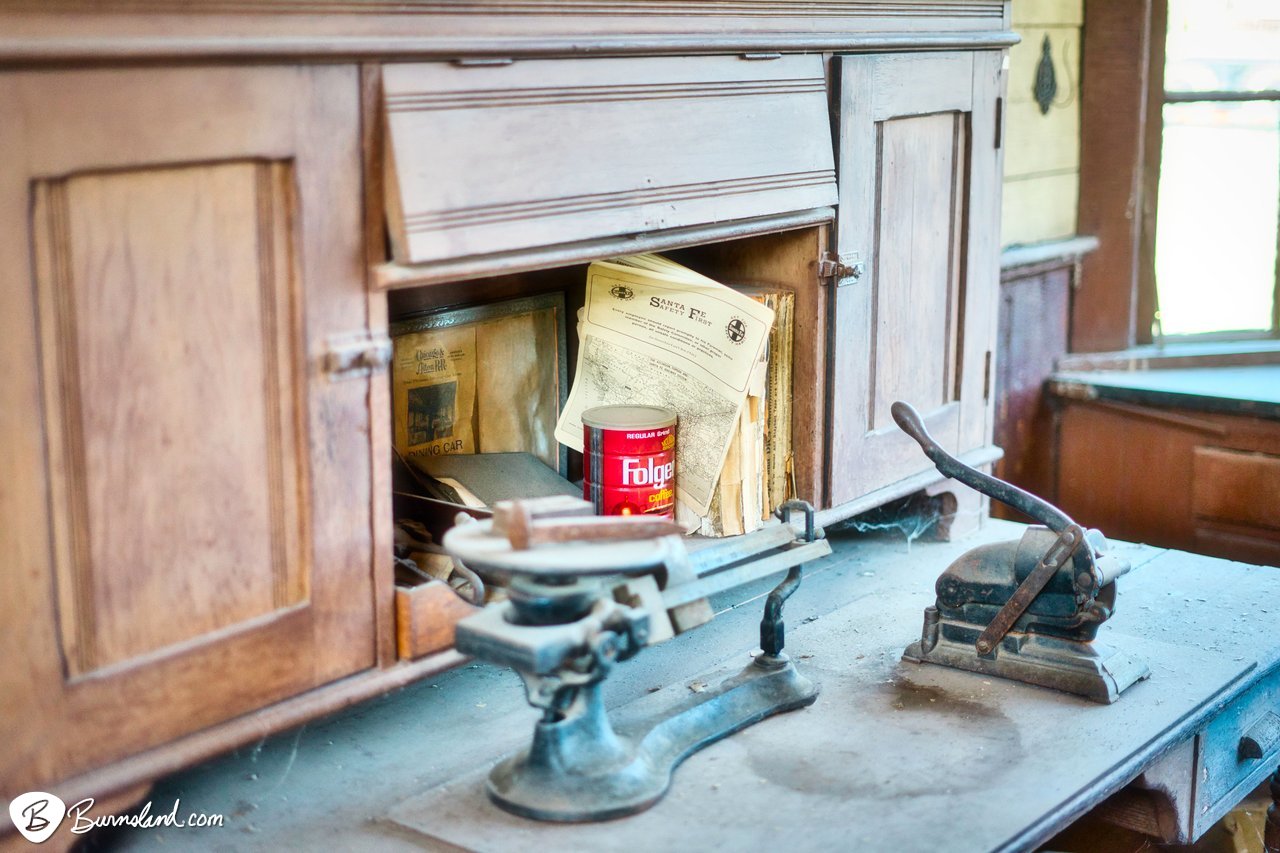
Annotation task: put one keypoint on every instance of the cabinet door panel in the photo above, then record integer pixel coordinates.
(191, 535)
(918, 195)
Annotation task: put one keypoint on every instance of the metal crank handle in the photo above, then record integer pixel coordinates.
(1007, 493)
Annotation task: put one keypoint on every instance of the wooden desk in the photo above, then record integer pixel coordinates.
(899, 756)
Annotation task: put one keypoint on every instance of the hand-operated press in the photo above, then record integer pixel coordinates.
(562, 631)
(1026, 610)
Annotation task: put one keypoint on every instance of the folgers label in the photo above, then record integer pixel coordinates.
(629, 460)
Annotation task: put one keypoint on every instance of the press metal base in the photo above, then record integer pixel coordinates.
(581, 769)
(1085, 669)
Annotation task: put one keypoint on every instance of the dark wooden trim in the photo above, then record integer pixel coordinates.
(1148, 302)
(1114, 88)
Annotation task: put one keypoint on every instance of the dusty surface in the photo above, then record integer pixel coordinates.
(889, 754)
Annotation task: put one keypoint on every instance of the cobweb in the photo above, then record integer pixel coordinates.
(912, 518)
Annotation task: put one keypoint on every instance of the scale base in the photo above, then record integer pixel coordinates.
(1096, 672)
(580, 769)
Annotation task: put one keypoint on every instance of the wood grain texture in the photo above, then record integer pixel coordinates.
(33, 31)
(1235, 487)
(919, 171)
(1212, 491)
(186, 494)
(1113, 120)
(623, 146)
(788, 260)
(1032, 335)
(171, 519)
(426, 616)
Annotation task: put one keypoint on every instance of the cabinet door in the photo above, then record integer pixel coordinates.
(185, 494)
(919, 174)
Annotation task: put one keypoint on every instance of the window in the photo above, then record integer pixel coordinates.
(1218, 213)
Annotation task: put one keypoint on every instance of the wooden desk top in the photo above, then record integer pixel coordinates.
(899, 756)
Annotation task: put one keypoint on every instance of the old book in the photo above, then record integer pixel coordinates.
(755, 479)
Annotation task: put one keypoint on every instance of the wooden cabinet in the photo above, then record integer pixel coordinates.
(1150, 467)
(204, 215)
(185, 503)
(919, 164)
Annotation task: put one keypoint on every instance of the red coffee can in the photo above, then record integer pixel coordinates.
(629, 460)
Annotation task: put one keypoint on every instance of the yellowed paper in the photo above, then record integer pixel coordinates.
(654, 333)
(517, 386)
(433, 392)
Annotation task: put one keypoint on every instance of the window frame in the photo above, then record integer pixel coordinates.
(1121, 127)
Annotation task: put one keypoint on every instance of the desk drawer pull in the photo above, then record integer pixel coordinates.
(1261, 738)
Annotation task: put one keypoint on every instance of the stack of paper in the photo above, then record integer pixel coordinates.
(654, 332)
(755, 479)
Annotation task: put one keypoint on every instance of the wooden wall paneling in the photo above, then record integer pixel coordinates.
(1032, 336)
(919, 205)
(1040, 207)
(1114, 88)
(1042, 156)
(622, 145)
(208, 487)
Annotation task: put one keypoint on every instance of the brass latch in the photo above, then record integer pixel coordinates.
(840, 269)
(361, 354)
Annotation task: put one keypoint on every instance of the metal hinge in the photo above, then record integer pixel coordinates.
(361, 354)
(758, 57)
(986, 377)
(840, 269)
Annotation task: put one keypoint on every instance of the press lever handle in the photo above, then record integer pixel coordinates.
(1041, 510)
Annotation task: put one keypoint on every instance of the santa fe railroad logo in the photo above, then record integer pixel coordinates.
(736, 330)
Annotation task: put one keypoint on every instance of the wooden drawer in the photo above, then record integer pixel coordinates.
(1225, 768)
(1236, 487)
(621, 146)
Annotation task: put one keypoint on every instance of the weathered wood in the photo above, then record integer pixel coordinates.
(1103, 446)
(1236, 487)
(1113, 120)
(1033, 335)
(183, 499)
(75, 30)
(623, 146)
(425, 618)
(1022, 762)
(918, 324)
